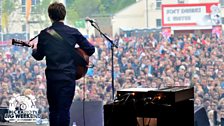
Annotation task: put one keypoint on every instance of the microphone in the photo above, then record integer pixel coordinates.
(90, 20)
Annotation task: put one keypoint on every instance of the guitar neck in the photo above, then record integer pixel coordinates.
(19, 43)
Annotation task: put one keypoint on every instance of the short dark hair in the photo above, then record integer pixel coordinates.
(56, 11)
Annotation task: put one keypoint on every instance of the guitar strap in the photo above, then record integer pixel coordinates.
(79, 60)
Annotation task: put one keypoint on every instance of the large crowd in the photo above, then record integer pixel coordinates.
(147, 61)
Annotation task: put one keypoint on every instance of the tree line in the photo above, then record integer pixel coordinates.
(76, 9)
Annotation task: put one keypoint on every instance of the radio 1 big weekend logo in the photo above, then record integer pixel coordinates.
(22, 109)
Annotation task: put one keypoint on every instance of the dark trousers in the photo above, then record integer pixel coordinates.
(60, 94)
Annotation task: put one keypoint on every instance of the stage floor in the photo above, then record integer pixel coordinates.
(21, 124)
(17, 124)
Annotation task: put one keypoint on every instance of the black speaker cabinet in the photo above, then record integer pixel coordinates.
(119, 115)
(181, 114)
(200, 117)
(3, 111)
(87, 113)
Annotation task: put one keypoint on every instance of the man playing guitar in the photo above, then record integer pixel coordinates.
(61, 70)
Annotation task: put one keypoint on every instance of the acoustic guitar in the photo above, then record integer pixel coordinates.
(81, 70)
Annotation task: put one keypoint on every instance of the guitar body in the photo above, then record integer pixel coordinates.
(81, 70)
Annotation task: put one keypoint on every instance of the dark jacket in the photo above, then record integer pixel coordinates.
(59, 58)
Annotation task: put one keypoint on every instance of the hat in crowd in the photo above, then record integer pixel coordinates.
(196, 76)
(39, 77)
(197, 68)
(172, 54)
(190, 47)
(182, 67)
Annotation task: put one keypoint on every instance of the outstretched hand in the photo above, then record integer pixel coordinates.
(33, 44)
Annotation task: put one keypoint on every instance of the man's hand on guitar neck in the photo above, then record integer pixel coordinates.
(33, 44)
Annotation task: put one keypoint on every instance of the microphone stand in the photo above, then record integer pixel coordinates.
(112, 53)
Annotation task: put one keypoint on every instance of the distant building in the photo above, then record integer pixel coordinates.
(18, 27)
(191, 15)
(143, 14)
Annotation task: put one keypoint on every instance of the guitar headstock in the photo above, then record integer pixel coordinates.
(17, 42)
